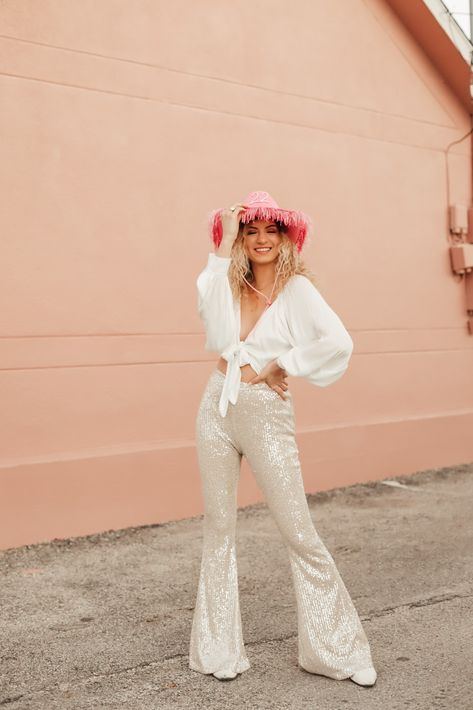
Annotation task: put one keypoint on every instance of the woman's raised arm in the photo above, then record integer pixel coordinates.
(215, 303)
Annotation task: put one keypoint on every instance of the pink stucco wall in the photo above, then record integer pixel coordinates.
(122, 125)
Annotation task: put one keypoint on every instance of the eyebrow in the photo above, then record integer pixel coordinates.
(250, 226)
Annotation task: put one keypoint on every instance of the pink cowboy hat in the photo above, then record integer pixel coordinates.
(262, 206)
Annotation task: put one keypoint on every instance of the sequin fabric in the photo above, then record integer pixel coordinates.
(261, 427)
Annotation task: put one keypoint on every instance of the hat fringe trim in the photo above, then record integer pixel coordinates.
(268, 213)
(298, 222)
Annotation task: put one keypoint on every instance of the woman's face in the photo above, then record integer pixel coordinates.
(261, 241)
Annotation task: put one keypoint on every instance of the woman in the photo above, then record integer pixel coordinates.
(265, 317)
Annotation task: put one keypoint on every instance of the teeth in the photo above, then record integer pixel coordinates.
(263, 249)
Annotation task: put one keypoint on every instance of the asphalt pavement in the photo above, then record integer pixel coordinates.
(103, 621)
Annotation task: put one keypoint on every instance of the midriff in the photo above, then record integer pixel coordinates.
(247, 372)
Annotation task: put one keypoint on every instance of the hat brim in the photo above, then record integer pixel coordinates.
(298, 223)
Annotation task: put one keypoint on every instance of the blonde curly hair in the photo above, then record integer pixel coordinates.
(289, 260)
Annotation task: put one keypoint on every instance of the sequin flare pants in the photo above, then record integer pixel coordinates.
(260, 426)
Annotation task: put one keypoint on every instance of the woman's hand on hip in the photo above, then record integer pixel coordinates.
(274, 376)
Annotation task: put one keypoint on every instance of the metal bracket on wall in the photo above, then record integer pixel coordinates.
(461, 253)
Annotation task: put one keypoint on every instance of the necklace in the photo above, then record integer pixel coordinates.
(268, 300)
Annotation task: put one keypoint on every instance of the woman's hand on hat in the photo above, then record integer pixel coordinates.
(274, 376)
(230, 219)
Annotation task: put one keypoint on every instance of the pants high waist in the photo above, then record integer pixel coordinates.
(260, 426)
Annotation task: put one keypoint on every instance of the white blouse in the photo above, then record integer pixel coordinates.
(299, 330)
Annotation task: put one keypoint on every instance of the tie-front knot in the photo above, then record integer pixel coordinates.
(231, 352)
(236, 356)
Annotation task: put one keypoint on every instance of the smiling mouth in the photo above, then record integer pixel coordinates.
(262, 250)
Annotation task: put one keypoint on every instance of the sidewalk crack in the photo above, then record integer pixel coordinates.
(438, 599)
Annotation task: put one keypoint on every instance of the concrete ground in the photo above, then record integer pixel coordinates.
(103, 621)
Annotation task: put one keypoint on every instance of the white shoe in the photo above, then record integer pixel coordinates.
(224, 675)
(367, 676)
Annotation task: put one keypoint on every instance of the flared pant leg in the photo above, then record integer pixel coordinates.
(216, 642)
(331, 639)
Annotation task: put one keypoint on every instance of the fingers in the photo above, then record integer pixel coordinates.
(280, 387)
(238, 207)
(280, 391)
